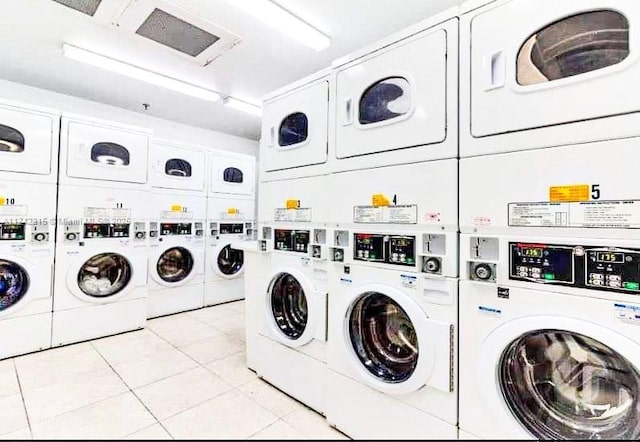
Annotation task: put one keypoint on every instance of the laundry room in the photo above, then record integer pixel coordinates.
(336, 219)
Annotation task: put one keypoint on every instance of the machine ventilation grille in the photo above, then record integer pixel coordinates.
(175, 33)
(88, 7)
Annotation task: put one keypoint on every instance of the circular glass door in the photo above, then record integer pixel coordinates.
(563, 385)
(383, 337)
(14, 282)
(230, 260)
(289, 305)
(175, 264)
(104, 275)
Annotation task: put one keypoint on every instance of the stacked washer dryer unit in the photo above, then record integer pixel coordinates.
(101, 243)
(549, 214)
(393, 293)
(28, 174)
(176, 231)
(291, 308)
(230, 219)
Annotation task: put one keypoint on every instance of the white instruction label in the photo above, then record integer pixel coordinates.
(298, 215)
(588, 214)
(171, 214)
(409, 281)
(405, 214)
(628, 313)
(107, 214)
(15, 210)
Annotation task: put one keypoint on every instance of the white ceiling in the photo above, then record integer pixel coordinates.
(34, 30)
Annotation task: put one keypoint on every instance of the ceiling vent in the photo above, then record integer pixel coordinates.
(177, 30)
(88, 7)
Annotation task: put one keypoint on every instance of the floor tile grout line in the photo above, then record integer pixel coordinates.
(134, 394)
(24, 404)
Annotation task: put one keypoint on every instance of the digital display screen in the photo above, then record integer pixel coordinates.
(532, 252)
(611, 257)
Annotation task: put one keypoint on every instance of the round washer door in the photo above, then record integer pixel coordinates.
(292, 307)
(101, 277)
(227, 262)
(562, 378)
(14, 285)
(389, 339)
(173, 266)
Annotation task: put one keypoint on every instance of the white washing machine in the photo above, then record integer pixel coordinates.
(229, 221)
(176, 253)
(101, 263)
(295, 129)
(551, 73)
(291, 344)
(393, 107)
(101, 241)
(28, 172)
(549, 337)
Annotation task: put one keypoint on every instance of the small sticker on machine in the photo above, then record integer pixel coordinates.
(169, 214)
(294, 215)
(628, 313)
(105, 213)
(489, 311)
(15, 210)
(618, 214)
(405, 214)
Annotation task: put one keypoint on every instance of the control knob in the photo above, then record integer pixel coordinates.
(39, 237)
(432, 265)
(139, 235)
(483, 272)
(72, 236)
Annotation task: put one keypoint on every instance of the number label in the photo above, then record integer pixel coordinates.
(595, 191)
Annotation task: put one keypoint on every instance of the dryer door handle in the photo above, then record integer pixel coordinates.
(494, 67)
(348, 112)
(272, 136)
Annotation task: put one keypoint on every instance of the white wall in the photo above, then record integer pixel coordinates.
(161, 128)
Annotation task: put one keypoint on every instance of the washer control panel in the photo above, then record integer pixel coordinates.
(226, 229)
(12, 232)
(106, 230)
(389, 249)
(292, 240)
(581, 266)
(173, 229)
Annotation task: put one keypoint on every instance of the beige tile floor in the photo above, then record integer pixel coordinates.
(183, 377)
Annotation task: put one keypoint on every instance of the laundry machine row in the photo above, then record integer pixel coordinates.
(80, 247)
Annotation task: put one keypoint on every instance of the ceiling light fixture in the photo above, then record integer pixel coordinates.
(243, 106)
(284, 21)
(138, 73)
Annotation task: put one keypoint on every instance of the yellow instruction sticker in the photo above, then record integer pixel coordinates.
(379, 200)
(3, 201)
(569, 194)
(292, 204)
(176, 208)
(232, 211)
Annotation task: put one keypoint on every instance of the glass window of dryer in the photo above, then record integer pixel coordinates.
(11, 140)
(289, 305)
(233, 175)
(294, 129)
(387, 99)
(574, 45)
(177, 167)
(110, 154)
(383, 337)
(104, 275)
(230, 260)
(175, 264)
(14, 283)
(563, 385)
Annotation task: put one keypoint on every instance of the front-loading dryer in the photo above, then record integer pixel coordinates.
(393, 107)
(177, 167)
(28, 173)
(102, 153)
(549, 337)
(295, 129)
(539, 74)
(231, 174)
(230, 221)
(176, 253)
(100, 284)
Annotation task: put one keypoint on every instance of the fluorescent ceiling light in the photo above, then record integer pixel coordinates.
(132, 71)
(243, 106)
(282, 20)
